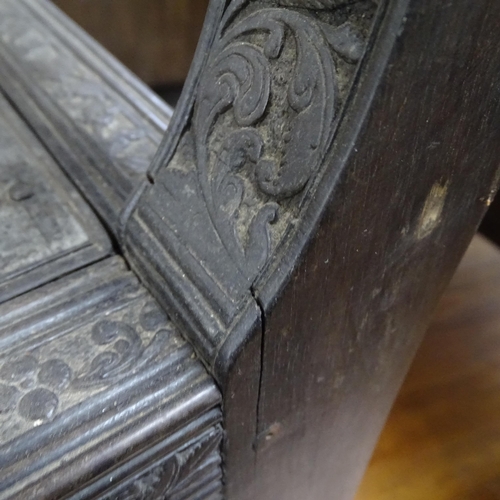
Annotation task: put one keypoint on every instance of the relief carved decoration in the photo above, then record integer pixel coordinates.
(33, 384)
(77, 89)
(282, 96)
(170, 477)
(264, 116)
(313, 4)
(124, 349)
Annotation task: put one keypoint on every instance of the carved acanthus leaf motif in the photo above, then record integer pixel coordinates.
(274, 71)
(125, 349)
(169, 478)
(233, 184)
(185, 463)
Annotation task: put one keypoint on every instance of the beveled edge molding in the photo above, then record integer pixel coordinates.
(44, 203)
(100, 122)
(187, 472)
(107, 389)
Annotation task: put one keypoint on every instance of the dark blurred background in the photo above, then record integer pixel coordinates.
(156, 39)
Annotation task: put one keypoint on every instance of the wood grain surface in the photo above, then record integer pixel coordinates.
(442, 439)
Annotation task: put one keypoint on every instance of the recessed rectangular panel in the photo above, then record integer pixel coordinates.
(46, 229)
(94, 116)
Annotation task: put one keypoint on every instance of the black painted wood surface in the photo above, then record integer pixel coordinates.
(100, 396)
(340, 338)
(46, 228)
(99, 121)
(325, 169)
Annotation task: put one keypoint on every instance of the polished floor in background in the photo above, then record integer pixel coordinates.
(442, 439)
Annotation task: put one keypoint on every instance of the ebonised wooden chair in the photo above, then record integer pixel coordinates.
(229, 312)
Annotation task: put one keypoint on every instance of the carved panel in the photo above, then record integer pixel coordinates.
(36, 225)
(45, 228)
(45, 377)
(232, 186)
(100, 122)
(77, 89)
(96, 385)
(191, 468)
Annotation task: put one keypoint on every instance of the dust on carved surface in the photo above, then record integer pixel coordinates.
(264, 117)
(37, 224)
(73, 86)
(50, 376)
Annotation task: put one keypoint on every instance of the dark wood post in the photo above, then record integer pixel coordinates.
(324, 173)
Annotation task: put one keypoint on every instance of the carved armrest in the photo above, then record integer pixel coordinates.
(325, 170)
(323, 173)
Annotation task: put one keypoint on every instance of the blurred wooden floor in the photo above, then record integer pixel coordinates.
(442, 440)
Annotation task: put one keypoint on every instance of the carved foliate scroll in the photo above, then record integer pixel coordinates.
(263, 118)
(262, 123)
(189, 468)
(99, 391)
(41, 383)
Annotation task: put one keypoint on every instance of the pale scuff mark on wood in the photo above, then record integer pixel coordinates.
(433, 208)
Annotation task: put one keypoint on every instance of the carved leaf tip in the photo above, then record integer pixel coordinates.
(345, 40)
